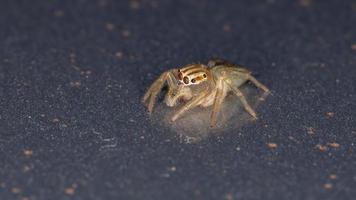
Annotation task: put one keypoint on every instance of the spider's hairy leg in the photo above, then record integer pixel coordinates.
(242, 98)
(155, 88)
(216, 62)
(191, 104)
(219, 97)
(171, 96)
(256, 82)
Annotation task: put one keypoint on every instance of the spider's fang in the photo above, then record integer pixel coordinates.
(180, 76)
(186, 80)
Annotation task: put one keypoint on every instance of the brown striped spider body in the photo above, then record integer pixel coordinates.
(202, 85)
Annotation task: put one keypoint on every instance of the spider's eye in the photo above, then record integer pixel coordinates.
(204, 75)
(180, 76)
(186, 80)
(193, 80)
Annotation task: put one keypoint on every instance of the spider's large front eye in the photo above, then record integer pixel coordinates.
(186, 80)
(180, 76)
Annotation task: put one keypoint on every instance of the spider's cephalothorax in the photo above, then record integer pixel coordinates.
(193, 74)
(222, 77)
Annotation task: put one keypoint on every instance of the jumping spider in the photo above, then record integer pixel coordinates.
(202, 85)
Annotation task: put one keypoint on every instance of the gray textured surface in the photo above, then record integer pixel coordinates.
(72, 125)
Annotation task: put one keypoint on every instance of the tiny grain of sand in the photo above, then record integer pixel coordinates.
(15, 190)
(125, 33)
(330, 114)
(26, 168)
(134, 4)
(334, 144)
(353, 47)
(328, 186)
(119, 54)
(333, 176)
(226, 28)
(272, 145)
(58, 13)
(310, 130)
(305, 3)
(109, 27)
(28, 152)
(321, 148)
(75, 84)
(70, 190)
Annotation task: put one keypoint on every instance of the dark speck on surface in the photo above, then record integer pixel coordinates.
(72, 75)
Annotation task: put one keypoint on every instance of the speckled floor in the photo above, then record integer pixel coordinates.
(72, 74)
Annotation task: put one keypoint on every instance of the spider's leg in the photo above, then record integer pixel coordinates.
(219, 97)
(155, 88)
(173, 86)
(191, 104)
(172, 82)
(242, 98)
(257, 83)
(217, 61)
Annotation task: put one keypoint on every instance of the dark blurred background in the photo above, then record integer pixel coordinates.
(72, 74)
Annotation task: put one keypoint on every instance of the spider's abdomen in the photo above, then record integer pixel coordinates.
(235, 76)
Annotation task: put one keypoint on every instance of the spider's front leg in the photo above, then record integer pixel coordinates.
(191, 104)
(156, 87)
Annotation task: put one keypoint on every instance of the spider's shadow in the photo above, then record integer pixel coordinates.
(194, 125)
